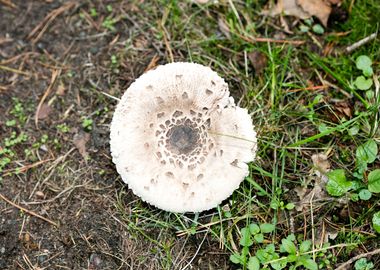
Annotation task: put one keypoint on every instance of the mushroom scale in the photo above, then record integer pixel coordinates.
(178, 139)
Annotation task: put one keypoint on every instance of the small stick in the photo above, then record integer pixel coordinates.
(361, 42)
(26, 167)
(271, 40)
(319, 87)
(8, 3)
(14, 70)
(367, 254)
(45, 23)
(312, 223)
(54, 76)
(27, 211)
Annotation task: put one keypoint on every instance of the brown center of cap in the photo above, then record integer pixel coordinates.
(182, 139)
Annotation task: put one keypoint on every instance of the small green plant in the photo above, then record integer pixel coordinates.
(87, 124)
(93, 12)
(18, 111)
(249, 235)
(276, 204)
(365, 154)
(364, 82)
(316, 28)
(376, 221)
(109, 23)
(288, 255)
(362, 264)
(338, 185)
(63, 128)
(7, 152)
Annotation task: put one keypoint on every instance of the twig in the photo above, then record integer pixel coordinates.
(167, 44)
(319, 87)
(27, 211)
(361, 42)
(26, 167)
(54, 76)
(196, 253)
(14, 70)
(367, 254)
(44, 24)
(271, 40)
(8, 3)
(312, 223)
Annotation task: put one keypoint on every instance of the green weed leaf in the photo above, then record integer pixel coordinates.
(362, 83)
(245, 240)
(253, 264)
(374, 181)
(267, 228)
(365, 194)
(318, 29)
(259, 237)
(363, 62)
(305, 246)
(235, 258)
(309, 263)
(362, 264)
(288, 246)
(376, 221)
(368, 71)
(254, 228)
(367, 152)
(337, 184)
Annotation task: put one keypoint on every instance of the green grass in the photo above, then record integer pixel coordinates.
(293, 124)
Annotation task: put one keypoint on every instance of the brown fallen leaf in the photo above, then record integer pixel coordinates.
(304, 9)
(321, 167)
(287, 7)
(325, 233)
(44, 111)
(318, 8)
(342, 109)
(201, 1)
(258, 60)
(80, 139)
(321, 164)
(61, 89)
(223, 27)
(153, 63)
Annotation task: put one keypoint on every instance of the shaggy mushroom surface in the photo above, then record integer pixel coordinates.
(178, 139)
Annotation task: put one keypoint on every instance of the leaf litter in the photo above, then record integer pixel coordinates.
(304, 9)
(321, 166)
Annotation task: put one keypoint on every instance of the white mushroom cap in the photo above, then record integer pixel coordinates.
(179, 141)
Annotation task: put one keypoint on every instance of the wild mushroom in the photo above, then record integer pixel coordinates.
(178, 139)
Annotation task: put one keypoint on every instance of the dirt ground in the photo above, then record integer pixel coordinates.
(62, 203)
(61, 59)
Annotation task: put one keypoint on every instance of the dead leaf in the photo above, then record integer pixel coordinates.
(321, 163)
(223, 27)
(61, 89)
(153, 63)
(316, 193)
(40, 195)
(325, 233)
(304, 9)
(80, 139)
(343, 109)
(258, 60)
(318, 8)
(321, 167)
(288, 7)
(44, 111)
(201, 1)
